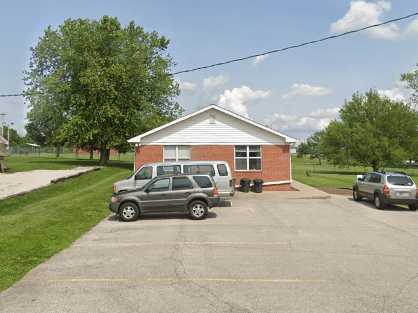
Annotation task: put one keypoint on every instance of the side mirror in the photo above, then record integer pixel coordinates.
(360, 177)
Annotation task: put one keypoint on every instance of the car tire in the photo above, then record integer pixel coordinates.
(198, 210)
(356, 196)
(412, 207)
(128, 212)
(378, 202)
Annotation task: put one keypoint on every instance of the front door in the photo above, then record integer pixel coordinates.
(156, 197)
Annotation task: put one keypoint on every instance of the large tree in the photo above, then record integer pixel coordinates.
(372, 131)
(411, 79)
(110, 82)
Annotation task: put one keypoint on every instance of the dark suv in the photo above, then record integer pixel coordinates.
(192, 194)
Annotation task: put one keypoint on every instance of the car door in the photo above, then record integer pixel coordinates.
(156, 196)
(181, 188)
(223, 179)
(367, 186)
(143, 176)
(362, 185)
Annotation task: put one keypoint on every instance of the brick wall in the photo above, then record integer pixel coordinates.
(275, 164)
(148, 154)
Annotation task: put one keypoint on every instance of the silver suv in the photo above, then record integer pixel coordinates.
(191, 194)
(385, 188)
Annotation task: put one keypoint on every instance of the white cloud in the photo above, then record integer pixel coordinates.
(212, 82)
(260, 58)
(306, 90)
(187, 86)
(412, 27)
(314, 121)
(398, 92)
(362, 13)
(237, 99)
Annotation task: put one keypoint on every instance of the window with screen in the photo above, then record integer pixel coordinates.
(176, 153)
(168, 170)
(182, 183)
(203, 181)
(199, 169)
(248, 158)
(160, 185)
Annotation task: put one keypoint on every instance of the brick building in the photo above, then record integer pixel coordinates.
(214, 133)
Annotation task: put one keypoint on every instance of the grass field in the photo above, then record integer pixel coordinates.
(35, 226)
(310, 172)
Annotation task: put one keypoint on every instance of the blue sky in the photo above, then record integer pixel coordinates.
(297, 92)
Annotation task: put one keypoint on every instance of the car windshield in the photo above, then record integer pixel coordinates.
(400, 180)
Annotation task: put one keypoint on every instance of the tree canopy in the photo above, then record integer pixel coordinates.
(103, 83)
(372, 131)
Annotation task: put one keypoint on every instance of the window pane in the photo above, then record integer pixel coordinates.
(168, 170)
(255, 164)
(240, 164)
(144, 173)
(203, 181)
(400, 180)
(223, 170)
(254, 148)
(256, 154)
(182, 183)
(199, 169)
(240, 148)
(239, 154)
(160, 185)
(169, 153)
(184, 153)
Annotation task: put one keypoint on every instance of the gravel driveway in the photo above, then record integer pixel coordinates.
(22, 182)
(271, 252)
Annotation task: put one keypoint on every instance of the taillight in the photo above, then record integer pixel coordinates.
(416, 192)
(215, 192)
(386, 191)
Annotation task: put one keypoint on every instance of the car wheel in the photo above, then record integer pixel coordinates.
(412, 207)
(378, 203)
(128, 212)
(356, 196)
(198, 210)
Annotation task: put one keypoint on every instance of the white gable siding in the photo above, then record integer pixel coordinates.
(199, 130)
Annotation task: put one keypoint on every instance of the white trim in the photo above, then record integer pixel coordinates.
(212, 144)
(248, 159)
(290, 164)
(138, 138)
(271, 183)
(177, 153)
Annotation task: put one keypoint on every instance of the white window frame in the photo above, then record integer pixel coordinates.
(177, 152)
(248, 159)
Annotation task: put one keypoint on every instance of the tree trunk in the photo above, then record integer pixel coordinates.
(104, 156)
(57, 151)
(91, 153)
(375, 166)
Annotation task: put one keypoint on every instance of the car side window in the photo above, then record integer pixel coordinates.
(168, 170)
(199, 169)
(182, 183)
(203, 181)
(367, 178)
(144, 173)
(376, 178)
(222, 170)
(160, 185)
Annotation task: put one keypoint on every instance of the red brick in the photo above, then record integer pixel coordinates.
(275, 165)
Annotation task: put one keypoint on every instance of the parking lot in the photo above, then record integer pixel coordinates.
(269, 252)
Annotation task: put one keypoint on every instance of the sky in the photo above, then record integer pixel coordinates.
(297, 92)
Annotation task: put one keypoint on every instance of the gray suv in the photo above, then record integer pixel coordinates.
(192, 194)
(385, 188)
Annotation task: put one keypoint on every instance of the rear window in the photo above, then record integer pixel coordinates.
(168, 170)
(203, 181)
(199, 169)
(223, 170)
(400, 180)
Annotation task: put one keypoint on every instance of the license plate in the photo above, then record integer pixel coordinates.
(402, 194)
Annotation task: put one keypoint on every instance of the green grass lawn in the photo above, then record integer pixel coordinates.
(35, 226)
(310, 172)
(19, 163)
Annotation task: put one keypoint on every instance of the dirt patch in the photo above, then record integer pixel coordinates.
(336, 191)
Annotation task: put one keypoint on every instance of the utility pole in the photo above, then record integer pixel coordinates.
(3, 116)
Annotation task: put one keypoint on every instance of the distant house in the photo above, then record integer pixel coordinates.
(214, 133)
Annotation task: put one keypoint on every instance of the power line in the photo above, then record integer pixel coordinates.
(306, 43)
(297, 45)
